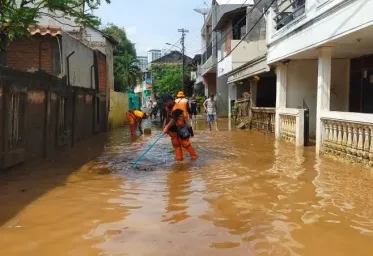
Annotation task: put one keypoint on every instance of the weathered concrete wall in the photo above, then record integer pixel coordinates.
(118, 109)
(1, 121)
(80, 62)
(42, 116)
(35, 124)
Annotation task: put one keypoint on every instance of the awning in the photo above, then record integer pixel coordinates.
(252, 68)
(227, 16)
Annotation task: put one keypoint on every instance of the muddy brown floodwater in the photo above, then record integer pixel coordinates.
(246, 195)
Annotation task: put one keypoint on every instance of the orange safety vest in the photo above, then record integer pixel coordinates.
(138, 113)
(182, 104)
(134, 116)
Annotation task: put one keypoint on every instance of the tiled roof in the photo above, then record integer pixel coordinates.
(174, 57)
(45, 30)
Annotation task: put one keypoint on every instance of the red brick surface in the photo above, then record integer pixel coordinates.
(102, 72)
(24, 54)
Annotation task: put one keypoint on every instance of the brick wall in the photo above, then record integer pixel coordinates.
(24, 54)
(209, 81)
(102, 72)
(228, 34)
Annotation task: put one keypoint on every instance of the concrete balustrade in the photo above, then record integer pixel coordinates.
(291, 126)
(263, 119)
(348, 135)
(288, 124)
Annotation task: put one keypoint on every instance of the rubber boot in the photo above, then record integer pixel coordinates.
(177, 147)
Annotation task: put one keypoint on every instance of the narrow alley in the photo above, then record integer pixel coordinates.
(246, 195)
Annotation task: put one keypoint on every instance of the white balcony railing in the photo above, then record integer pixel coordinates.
(348, 135)
(291, 125)
(263, 119)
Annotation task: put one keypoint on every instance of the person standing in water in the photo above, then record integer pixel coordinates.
(211, 110)
(193, 108)
(177, 128)
(183, 104)
(135, 118)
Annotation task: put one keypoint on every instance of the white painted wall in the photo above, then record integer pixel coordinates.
(66, 23)
(245, 52)
(95, 39)
(80, 62)
(284, 43)
(224, 66)
(302, 85)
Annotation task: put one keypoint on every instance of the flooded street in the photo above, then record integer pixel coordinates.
(246, 195)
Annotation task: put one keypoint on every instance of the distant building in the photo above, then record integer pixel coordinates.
(143, 62)
(154, 55)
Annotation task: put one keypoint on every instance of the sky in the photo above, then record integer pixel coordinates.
(150, 24)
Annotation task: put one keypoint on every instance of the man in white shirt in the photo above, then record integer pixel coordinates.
(211, 110)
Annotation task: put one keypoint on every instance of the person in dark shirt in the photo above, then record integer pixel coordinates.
(193, 108)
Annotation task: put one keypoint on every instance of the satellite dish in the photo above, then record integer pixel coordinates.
(203, 11)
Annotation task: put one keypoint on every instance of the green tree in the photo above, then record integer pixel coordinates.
(126, 72)
(126, 68)
(167, 78)
(17, 15)
(124, 45)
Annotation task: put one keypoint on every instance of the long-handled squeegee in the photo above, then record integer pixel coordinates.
(147, 150)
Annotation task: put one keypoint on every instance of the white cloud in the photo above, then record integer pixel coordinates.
(132, 30)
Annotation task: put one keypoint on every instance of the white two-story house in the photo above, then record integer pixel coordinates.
(322, 51)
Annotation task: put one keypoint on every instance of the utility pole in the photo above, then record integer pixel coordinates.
(183, 33)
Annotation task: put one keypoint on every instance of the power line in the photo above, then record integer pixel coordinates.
(173, 45)
(199, 29)
(183, 33)
(235, 26)
(234, 48)
(218, 13)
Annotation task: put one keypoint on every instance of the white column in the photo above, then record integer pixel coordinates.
(253, 90)
(232, 95)
(281, 84)
(229, 101)
(299, 128)
(323, 89)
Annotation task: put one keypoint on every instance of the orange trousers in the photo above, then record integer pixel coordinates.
(179, 144)
(133, 127)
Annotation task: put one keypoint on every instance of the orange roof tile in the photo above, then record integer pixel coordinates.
(45, 30)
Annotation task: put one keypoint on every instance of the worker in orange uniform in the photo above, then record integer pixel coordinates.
(135, 118)
(184, 105)
(177, 128)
